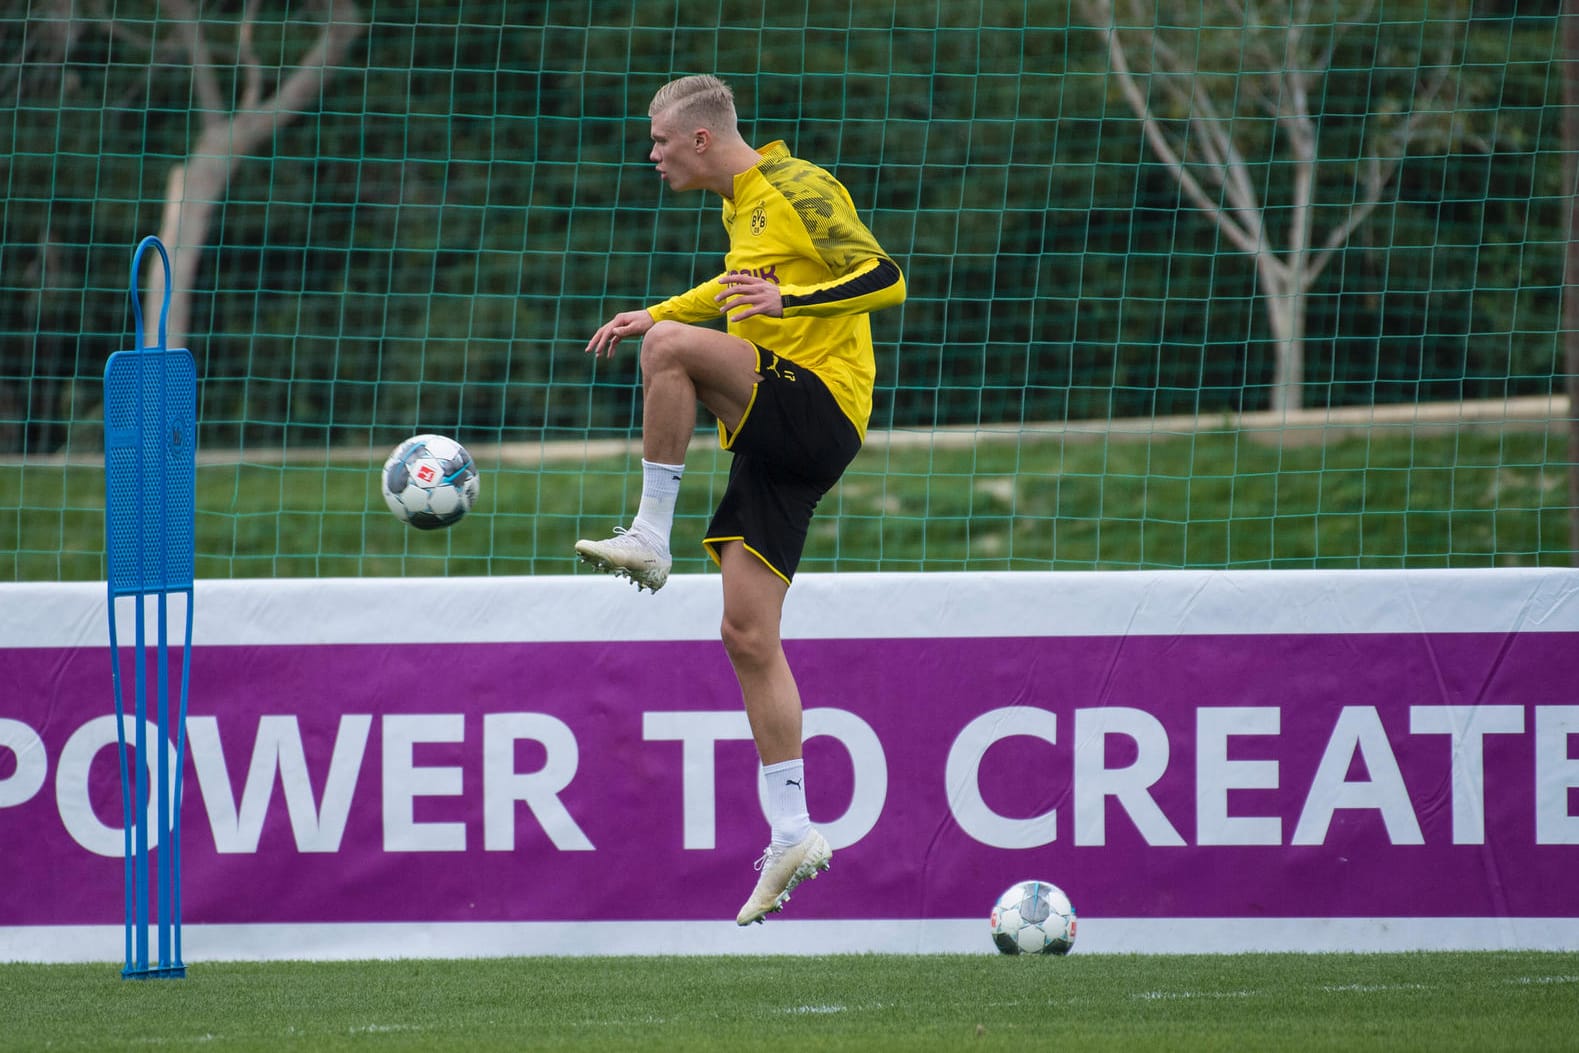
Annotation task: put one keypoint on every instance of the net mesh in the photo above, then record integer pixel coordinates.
(1184, 291)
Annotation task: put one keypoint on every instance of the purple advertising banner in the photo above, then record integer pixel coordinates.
(385, 753)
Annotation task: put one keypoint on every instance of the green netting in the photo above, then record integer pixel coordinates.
(1285, 293)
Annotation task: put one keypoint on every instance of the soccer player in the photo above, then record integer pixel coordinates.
(790, 382)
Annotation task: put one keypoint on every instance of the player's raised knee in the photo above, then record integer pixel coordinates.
(663, 342)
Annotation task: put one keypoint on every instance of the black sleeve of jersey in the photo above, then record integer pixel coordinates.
(864, 282)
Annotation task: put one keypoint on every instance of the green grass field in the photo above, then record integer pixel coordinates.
(1205, 500)
(1439, 1001)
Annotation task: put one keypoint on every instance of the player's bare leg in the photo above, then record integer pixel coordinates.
(753, 609)
(681, 366)
(753, 599)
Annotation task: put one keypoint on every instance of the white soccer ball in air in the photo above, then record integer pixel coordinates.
(430, 482)
(1033, 917)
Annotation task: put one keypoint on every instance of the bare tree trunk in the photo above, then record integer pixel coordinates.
(192, 192)
(1299, 130)
(196, 187)
(1286, 309)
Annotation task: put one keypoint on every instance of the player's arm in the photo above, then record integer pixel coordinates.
(693, 305)
(871, 285)
(861, 276)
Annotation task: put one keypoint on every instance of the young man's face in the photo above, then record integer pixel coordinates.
(676, 151)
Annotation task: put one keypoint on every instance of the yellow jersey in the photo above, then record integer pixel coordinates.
(794, 224)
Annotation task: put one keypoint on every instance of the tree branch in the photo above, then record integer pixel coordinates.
(205, 81)
(195, 187)
(247, 58)
(1243, 225)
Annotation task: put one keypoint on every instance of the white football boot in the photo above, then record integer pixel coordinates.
(629, 555)
(783, 867)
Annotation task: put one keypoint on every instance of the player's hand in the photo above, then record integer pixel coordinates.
(610, 333)
(745, 295)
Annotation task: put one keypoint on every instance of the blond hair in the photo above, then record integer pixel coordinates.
(702, 98)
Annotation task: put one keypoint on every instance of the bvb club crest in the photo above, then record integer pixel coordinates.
(759, 220)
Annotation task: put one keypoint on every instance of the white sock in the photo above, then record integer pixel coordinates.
(660, 487)
(786, 787)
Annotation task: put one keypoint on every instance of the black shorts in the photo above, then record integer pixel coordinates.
(791, 446)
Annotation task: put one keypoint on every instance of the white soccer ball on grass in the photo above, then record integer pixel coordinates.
(1033, 917)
